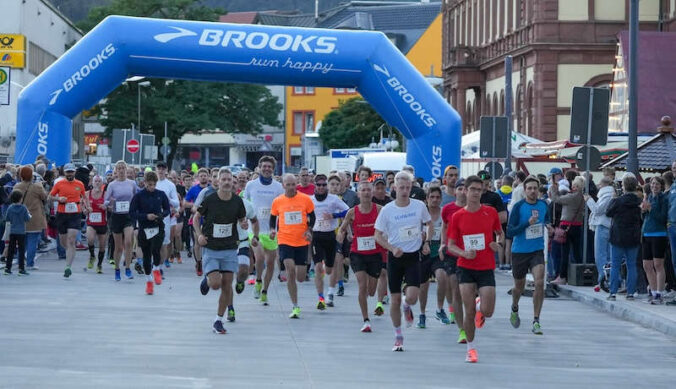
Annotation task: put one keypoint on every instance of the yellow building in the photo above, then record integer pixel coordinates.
(416, 29)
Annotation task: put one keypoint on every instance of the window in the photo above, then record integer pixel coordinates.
(303, 90)
(38, 59)
(303, 121)
(344, 91)
(339, 91)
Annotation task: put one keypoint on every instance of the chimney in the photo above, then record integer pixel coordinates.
(666, 126)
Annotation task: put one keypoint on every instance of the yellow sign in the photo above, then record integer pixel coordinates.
(13, 50)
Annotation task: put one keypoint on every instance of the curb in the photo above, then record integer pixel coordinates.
(623, 310)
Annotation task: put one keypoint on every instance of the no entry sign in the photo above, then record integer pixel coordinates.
(132, 146)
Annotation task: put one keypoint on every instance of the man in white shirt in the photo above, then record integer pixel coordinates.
(169, 189)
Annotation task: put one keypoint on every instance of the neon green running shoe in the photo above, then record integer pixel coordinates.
(264, 298)
(515, 319)
(295, 314)
(462, 337)
(257, 289)
(537, 330)
(90, 264)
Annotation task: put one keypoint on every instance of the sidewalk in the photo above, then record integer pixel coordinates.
(658, 317)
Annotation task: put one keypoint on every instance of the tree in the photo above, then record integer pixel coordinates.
(186, 106)
(353, 124)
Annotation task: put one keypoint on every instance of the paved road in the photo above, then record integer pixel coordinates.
(89, 331)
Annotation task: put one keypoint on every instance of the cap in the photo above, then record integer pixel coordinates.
(161, 164)
(484, 175)
(148, 169)
(460, 182)
(555, 170)
(379, 180)
(69, 167)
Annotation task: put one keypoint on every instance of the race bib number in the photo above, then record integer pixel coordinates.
(122, 206)
(409, 233)
(365, 243)
(263, 213)
(151, 232)
(436, 234)
(95, 217)
(71, 207)
(291, 218)
(474, 242)
(222, 230)
(535, 231)
(324, 224)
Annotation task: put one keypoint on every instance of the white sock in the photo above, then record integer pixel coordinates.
(156, 267)
(332, 290)
(219, 318)
(654, 293)
(149, 278)
(470, 345)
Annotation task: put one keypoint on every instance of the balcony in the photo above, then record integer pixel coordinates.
(464, 56)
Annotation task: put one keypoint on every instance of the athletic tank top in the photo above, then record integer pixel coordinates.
(97, 217)
(363, 230)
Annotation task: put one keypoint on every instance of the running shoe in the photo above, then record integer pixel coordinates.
(257, 289)
(462, 337)
(111, 261)
(281, 277)
(295, 313)
(22, 273)
(198, 268)
(218, 327)
(611, 297)
(379, 309)
(264, 298)
(341, 290)
(90, 264)
(189, 253)
(421, 321)
(138, 267)
(408, 315)
(117, 275)
(515, 319)
(479, 318)
(171, 259)
(99, 269)
(127, 273)
(80, 247)
(239, 287)
(162, 273)
(167, 264)
(178, 259)
(8, 272)
(67, 272)
(471, 357)
(657, 300)
(157, 277)
(251, 280)
(330, 302)
(441, 316)
(630, 297)
(537, 330)
(149, 287)
(398, 343)
(386, 299)
(312, 273)
(231, 314)
(204, 287)
(366, 327)
(321, 304)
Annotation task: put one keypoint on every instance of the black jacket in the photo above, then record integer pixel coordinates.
(625, 227)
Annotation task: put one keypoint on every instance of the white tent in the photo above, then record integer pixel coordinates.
(470, 145)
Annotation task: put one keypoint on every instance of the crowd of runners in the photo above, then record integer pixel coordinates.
(247, 228)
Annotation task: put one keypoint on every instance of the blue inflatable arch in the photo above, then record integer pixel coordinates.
(123, 46)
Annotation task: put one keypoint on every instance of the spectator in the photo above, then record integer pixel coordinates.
(600, 224)
(572, 215)
(655, 206)
(518, 190)
(505, 190)
(625, 236)
(34, 198)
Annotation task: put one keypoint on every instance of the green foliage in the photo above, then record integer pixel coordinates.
(353, 124)
(186, 106)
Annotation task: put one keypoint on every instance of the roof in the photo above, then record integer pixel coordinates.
(655, 154)
(290, 20)
(657, 84)
(239, 17)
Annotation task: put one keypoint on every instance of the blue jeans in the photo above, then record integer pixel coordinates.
(671, 231)
(617, 254)
(554, 258)
(32, 240)
(601, 249)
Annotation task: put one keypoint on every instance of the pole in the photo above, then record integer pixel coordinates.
(587, 147)
(632, 154)
(166, 146)
(493, 119)
(508, 112)
(125, 145)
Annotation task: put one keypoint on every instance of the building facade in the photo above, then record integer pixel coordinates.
(555, 45)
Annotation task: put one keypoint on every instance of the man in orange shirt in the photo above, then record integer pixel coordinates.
(69, 193)
(292, 217)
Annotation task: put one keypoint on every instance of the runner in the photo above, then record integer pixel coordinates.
(449, 266)
(187, 216)
(328, 208)
(381, 198)
(221, 211)
(261, 192)
(526, 226)
(117, 198)
(398, 229)
(295, 213)
(450, 178)
(69, 193)
(169, 189)
(343, 253)
(431, 261)
(149, 208)
(366, 256)
(471, 240)
(305, 186)
(97, 224)
(243, 257)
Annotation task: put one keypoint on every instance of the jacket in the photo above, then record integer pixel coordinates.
(573, 205)
(625, 226)
(656, 219)
(35, 202)
(598, 208)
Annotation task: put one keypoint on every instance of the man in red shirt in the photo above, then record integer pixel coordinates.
(305, 186)
(471, 240)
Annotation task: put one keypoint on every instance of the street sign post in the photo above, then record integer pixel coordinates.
(133, 146)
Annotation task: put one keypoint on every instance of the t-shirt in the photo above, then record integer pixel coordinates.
(474, 230)
(203, 193)
(349, 197)
(494, 200)
(672, 204)
(121, 192)
(331, 204)
(446, 214)
(403, 225)
(244, 234)
(446, 198)
(308, 190)
(436, 237)
(382, 202)
(193, 192)
(528, 238)
(169, 189)
(220, 221)
(291, 215)
(261, 196)
(73, 191)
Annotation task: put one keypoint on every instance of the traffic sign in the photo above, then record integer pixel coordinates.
(594, 156)
(165, 150)
(4, 85)
(166, 140)
(495, 168)
(133, 146)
